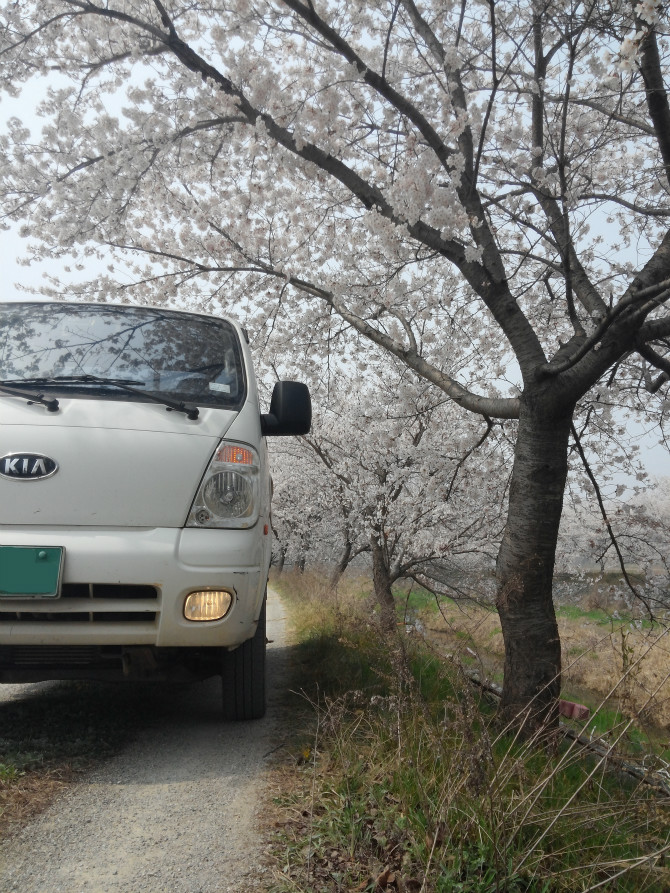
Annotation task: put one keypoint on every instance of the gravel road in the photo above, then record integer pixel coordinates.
(174, 812)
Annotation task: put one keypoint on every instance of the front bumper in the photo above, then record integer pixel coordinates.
(128, 586)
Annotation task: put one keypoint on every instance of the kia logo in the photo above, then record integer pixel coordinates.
(27, 466)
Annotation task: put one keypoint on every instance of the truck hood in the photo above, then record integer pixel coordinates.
(120, 463)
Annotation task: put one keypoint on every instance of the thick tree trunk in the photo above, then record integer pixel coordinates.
(526, 566)
(382, 583)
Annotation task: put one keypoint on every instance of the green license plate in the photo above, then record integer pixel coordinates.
(30, 571)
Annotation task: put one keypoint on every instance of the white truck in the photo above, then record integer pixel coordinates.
(135, 497)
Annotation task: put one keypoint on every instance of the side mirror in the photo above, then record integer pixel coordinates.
(290, 410)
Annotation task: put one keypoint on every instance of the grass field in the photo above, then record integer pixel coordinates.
(610, 661)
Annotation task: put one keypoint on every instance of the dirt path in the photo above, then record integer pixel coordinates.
(174, 812)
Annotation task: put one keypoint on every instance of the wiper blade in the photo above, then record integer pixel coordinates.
(50, 402)
(81, 378)
(191, 412)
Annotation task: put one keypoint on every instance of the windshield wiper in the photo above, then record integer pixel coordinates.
(192, 412)
(81, 377)
(50, 402)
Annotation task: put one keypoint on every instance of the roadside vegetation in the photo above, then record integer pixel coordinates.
(612, 659)
(402, 778)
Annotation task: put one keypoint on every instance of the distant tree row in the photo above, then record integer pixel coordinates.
(398, 481)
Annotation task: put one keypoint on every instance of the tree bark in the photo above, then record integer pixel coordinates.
(525, 567)
(382, 582)
(342, 565)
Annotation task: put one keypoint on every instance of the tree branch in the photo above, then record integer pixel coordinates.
(494, 292)
(466, 456)
(657, 99)
(619, 200)
(659, 362)
(453, 79)
(655, 329)
(373, 79)
(575, 274)
(90, 8)
(501, 408)
(605, 518)
(658, 294)
(613, 115)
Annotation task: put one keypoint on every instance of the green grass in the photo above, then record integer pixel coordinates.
(574, 612)
(409, 783)
(414, 600)
(10, 771)
(601, 617)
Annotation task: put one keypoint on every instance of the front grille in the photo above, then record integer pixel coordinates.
(58, 655)
(87, 603)
(108, 590)
(32, 663)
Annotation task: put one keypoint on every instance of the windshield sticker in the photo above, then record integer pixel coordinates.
(217, 386)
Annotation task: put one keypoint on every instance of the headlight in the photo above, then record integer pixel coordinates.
(228, 495)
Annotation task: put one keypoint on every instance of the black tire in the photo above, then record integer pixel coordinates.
(243, 677)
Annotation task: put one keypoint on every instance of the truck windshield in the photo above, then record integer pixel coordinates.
(183, 356)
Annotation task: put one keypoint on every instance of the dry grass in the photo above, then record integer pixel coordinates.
(603, 656)
(626, 663)
(414, 787)
(634, 664)
(23, 798)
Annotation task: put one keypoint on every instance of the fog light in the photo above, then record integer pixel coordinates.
(210, 604)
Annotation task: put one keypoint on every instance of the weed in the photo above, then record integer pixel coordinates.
(410, 786)
(9, 772)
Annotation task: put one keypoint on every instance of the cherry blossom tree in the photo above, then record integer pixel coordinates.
(626, 547)
(398, 471)
(308, 492)
(300, 514)
(311, 520)
(479, 189)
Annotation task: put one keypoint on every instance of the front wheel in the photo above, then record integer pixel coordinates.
(243, 677)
